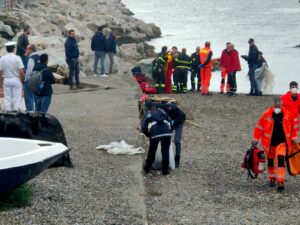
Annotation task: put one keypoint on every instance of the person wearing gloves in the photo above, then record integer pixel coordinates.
(277, 132)
(177, 117)
(156, 125)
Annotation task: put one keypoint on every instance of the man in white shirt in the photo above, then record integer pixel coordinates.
(33, 61)
(12, 71)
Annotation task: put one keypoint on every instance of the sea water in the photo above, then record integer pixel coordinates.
(274, 24)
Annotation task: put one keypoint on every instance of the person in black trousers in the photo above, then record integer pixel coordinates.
(156, 125)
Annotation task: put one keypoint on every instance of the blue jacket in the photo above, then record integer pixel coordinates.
(252, 58)
(47, 78)
(111, 44)
(156, 125)
(98, 42)
(71, 48)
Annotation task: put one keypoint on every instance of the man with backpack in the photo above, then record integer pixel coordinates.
(277, 132)
(33, 61)
(156, 125)
(43, 98)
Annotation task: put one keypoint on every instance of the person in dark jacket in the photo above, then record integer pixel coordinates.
(98, 46)
(177, 117)
(72, 55)
(111, 49)
(22, 43)
(43, 100)
(252, 59)
(156, 125)
(158, 71)
(182, 65)
(195, 70)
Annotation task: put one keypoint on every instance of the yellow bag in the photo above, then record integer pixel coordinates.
(293, 160)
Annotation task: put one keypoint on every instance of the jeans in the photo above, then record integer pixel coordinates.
(99, 55)
(73, 70)
(42, 103)
(177, 139)
(29, 98)
(251, 73)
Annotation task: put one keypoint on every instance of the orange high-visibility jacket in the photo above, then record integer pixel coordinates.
(264, 128)
(292, 106)
(204, 52)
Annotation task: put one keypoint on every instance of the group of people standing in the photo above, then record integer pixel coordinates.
(15, 69)
(176, 64)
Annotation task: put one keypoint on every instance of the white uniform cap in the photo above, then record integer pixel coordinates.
(10, 43)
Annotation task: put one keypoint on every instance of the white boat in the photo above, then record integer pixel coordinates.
(23, 159)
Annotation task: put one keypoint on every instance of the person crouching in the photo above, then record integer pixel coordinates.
(157, 126)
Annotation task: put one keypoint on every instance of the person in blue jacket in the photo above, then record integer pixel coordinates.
(111, 49)
(98, 46)
(43, 100)
(72, 55)
(156, 125)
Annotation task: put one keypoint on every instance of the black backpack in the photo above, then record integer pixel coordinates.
(35, 81)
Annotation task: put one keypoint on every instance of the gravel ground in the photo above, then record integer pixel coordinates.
(210, 187)
(101, 188)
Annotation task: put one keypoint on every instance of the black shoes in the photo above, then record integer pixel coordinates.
(165, 173)
(147, 168)
(272, 182)
(280, 187)
(177, 161)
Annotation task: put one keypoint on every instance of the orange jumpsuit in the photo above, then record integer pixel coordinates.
(205, 53)
(264, 131)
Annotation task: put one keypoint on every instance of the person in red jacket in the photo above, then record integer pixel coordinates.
(277, 132)
(233, 66)
(224, 60)
(291, 101)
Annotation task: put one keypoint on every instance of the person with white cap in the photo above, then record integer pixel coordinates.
(12, 71)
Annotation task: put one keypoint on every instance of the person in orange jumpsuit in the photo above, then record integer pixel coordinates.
(277, 131)
(291, 101)
(205, 65)
(224, 61)
(169, 66)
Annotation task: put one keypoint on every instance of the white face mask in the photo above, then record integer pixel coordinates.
(294, 90)
(277, 110)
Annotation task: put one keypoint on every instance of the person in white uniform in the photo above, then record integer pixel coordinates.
(12, 71)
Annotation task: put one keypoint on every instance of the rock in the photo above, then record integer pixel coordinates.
(6, 31)
(71, 26)
(150, 30)
(130, 51)
(133, 37)
(13, 21)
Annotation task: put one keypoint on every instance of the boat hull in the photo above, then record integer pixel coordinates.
(11, 178)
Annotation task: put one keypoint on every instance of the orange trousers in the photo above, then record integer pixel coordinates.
(205, 80)
(223, 81)
(276, 165)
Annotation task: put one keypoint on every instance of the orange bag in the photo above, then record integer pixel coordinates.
(293, 160)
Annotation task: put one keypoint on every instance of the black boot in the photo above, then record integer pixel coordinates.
(177, 161)
(147, 168)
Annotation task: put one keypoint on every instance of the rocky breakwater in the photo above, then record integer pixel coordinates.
(51, 19)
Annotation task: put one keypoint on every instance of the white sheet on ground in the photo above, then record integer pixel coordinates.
(121, 148)
(157, 165)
